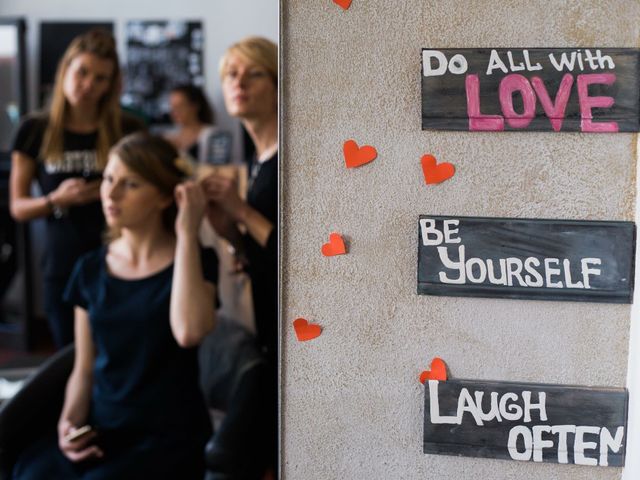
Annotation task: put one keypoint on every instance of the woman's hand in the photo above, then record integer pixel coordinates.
(79, 449)
(224, 192)
(191, 203)
(75, 191)
(220, 221)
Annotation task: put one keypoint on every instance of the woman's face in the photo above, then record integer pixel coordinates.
(87, 79)
(182, 110)
(128, 200)
(248, 89)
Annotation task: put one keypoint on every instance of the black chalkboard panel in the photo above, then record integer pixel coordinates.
(161, 55)
(526, 422)
(526, 258)
(535, 89)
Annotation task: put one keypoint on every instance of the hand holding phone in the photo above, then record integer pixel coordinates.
(77, 433)
(77, 443)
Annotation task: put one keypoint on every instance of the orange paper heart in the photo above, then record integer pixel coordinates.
(438, 371)
(343, 3)
(306, 331)
(434, 172)
(335, 246)
(355, 156)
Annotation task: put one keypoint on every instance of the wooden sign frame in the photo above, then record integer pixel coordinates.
(538, 259)
(531, 89)
(526, 421)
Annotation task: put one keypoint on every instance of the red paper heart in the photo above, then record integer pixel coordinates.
(438, 371)
(355, 156)
(306, 331)
(343, 3)
(335, 246)
(434, 173)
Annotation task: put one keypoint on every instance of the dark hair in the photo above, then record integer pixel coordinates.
(156, 161)
(196, 96)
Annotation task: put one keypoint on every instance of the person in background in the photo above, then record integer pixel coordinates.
(249, 74)
(191, 113)
(65, 149)
(195, 135)
(143, 302)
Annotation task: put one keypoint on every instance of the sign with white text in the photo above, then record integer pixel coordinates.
(523, 258)
(526, 422)
(536, 89)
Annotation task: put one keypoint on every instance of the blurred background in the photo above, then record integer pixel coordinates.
(160, 45)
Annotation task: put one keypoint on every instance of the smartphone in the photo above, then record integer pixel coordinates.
(78, 433)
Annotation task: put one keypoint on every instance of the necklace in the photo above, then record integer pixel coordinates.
(268, 153)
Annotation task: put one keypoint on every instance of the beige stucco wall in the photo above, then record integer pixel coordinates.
(352, 405)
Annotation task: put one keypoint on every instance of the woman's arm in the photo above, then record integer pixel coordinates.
(78, 394)
(224, 225)
(224, 192)
(22, 205)
(192, 312)
(73, 191)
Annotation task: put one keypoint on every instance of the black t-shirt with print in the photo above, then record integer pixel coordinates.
(80, 229)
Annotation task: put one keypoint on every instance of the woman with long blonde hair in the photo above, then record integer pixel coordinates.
(65, 149)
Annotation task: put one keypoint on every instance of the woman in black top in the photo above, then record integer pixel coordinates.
(249, 84)
(249, 73)
(142, 304)
(65, 150)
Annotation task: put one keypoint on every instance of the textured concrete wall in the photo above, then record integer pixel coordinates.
(352, 405)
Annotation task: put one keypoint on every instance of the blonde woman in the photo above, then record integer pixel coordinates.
(65, 150)
(143, 302)
(249, 74)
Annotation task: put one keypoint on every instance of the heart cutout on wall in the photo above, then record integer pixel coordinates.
(355, 156)
(435, 172)
(306, 331)
(345, 4)
(335, 246)
(438, 371)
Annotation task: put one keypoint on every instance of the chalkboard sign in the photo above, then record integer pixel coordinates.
(536, 89)
(526, 422)
(217, 148)
(161, 55)
(523, 258)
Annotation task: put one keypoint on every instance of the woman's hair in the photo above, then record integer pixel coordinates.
(157, 162)
(196, 96)
(258, 50)
(100, 43)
